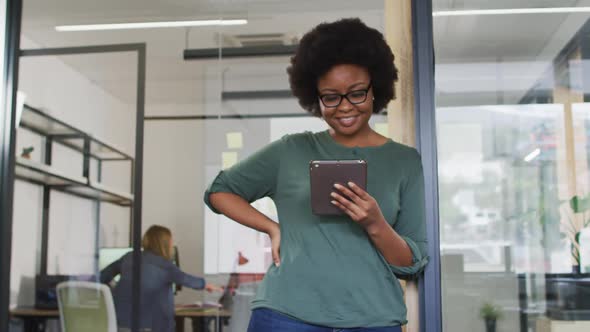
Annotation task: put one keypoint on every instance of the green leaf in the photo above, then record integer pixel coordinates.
(576, 255)
(580, 204)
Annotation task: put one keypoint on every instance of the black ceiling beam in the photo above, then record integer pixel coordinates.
(257, 95)
(239, 52)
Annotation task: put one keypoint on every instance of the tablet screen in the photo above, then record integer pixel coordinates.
(324, 174)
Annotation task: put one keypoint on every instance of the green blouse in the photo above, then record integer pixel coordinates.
(330, 273)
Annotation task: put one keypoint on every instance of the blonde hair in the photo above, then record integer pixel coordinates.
(157, 240)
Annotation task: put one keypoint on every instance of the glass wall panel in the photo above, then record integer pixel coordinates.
(249, 105)
(512, 128)
(202, 116)
(2, 51)
(75, 166)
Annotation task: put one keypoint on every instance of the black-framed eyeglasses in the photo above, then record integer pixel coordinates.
(354, 97)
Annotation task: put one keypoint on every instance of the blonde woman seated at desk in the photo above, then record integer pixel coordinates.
(158, 273)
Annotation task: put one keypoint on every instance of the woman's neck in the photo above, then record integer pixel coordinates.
(362, 138)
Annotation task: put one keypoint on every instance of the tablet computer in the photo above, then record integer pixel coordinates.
(324, 174)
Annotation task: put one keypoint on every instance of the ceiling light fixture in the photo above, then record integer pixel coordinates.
(511, 11)
(534, 154)
(149, 25)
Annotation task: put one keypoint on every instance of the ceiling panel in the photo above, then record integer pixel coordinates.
(170, 79)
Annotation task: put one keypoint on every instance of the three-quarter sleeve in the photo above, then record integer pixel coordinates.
(179, 277)
(411, 221)
(252, 178)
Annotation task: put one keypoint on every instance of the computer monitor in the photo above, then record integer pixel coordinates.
(106, 256)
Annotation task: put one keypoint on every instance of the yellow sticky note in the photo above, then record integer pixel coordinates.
(382, 128)
(234, 140)
(228, 159)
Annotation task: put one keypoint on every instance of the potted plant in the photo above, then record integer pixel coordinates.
(577, 217)
(566, 293)
(490, 313)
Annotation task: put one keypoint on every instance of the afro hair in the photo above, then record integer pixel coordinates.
(346, 41)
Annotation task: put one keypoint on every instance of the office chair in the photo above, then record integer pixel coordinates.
(86, 306)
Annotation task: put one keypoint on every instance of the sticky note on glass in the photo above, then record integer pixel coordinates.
(228, 159)
(234, 140)
(382, 128)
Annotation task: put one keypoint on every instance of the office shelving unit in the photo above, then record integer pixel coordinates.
(43, 174)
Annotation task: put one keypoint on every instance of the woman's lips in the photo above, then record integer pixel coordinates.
(347, 121)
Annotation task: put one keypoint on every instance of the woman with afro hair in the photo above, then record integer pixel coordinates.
(334, 273)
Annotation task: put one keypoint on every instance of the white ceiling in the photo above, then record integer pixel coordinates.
(498, 58)
(173, 81)
(461, 38)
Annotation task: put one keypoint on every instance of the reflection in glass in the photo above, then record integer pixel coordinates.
(513, 132)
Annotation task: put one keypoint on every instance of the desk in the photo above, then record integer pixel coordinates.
(201, 319)
(545, 324)
(34, 320)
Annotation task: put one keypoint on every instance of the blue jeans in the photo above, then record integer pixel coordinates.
(266, 320)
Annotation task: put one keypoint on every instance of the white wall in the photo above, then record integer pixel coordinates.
(173, 187)
(67, 95)
(182, 157)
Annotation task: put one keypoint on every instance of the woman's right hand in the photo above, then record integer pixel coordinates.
(213, 288)
(275, 240)
(238, 209)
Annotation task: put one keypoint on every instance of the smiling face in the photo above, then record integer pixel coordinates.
(348, 121)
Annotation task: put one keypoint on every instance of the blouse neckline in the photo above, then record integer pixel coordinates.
(325, 136)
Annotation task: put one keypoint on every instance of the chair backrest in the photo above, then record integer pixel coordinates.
(86, 306)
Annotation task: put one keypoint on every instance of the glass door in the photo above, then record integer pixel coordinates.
(513, 134)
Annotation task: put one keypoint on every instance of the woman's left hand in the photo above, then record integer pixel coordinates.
(359, 205)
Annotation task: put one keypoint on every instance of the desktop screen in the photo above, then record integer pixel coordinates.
(106, 256)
